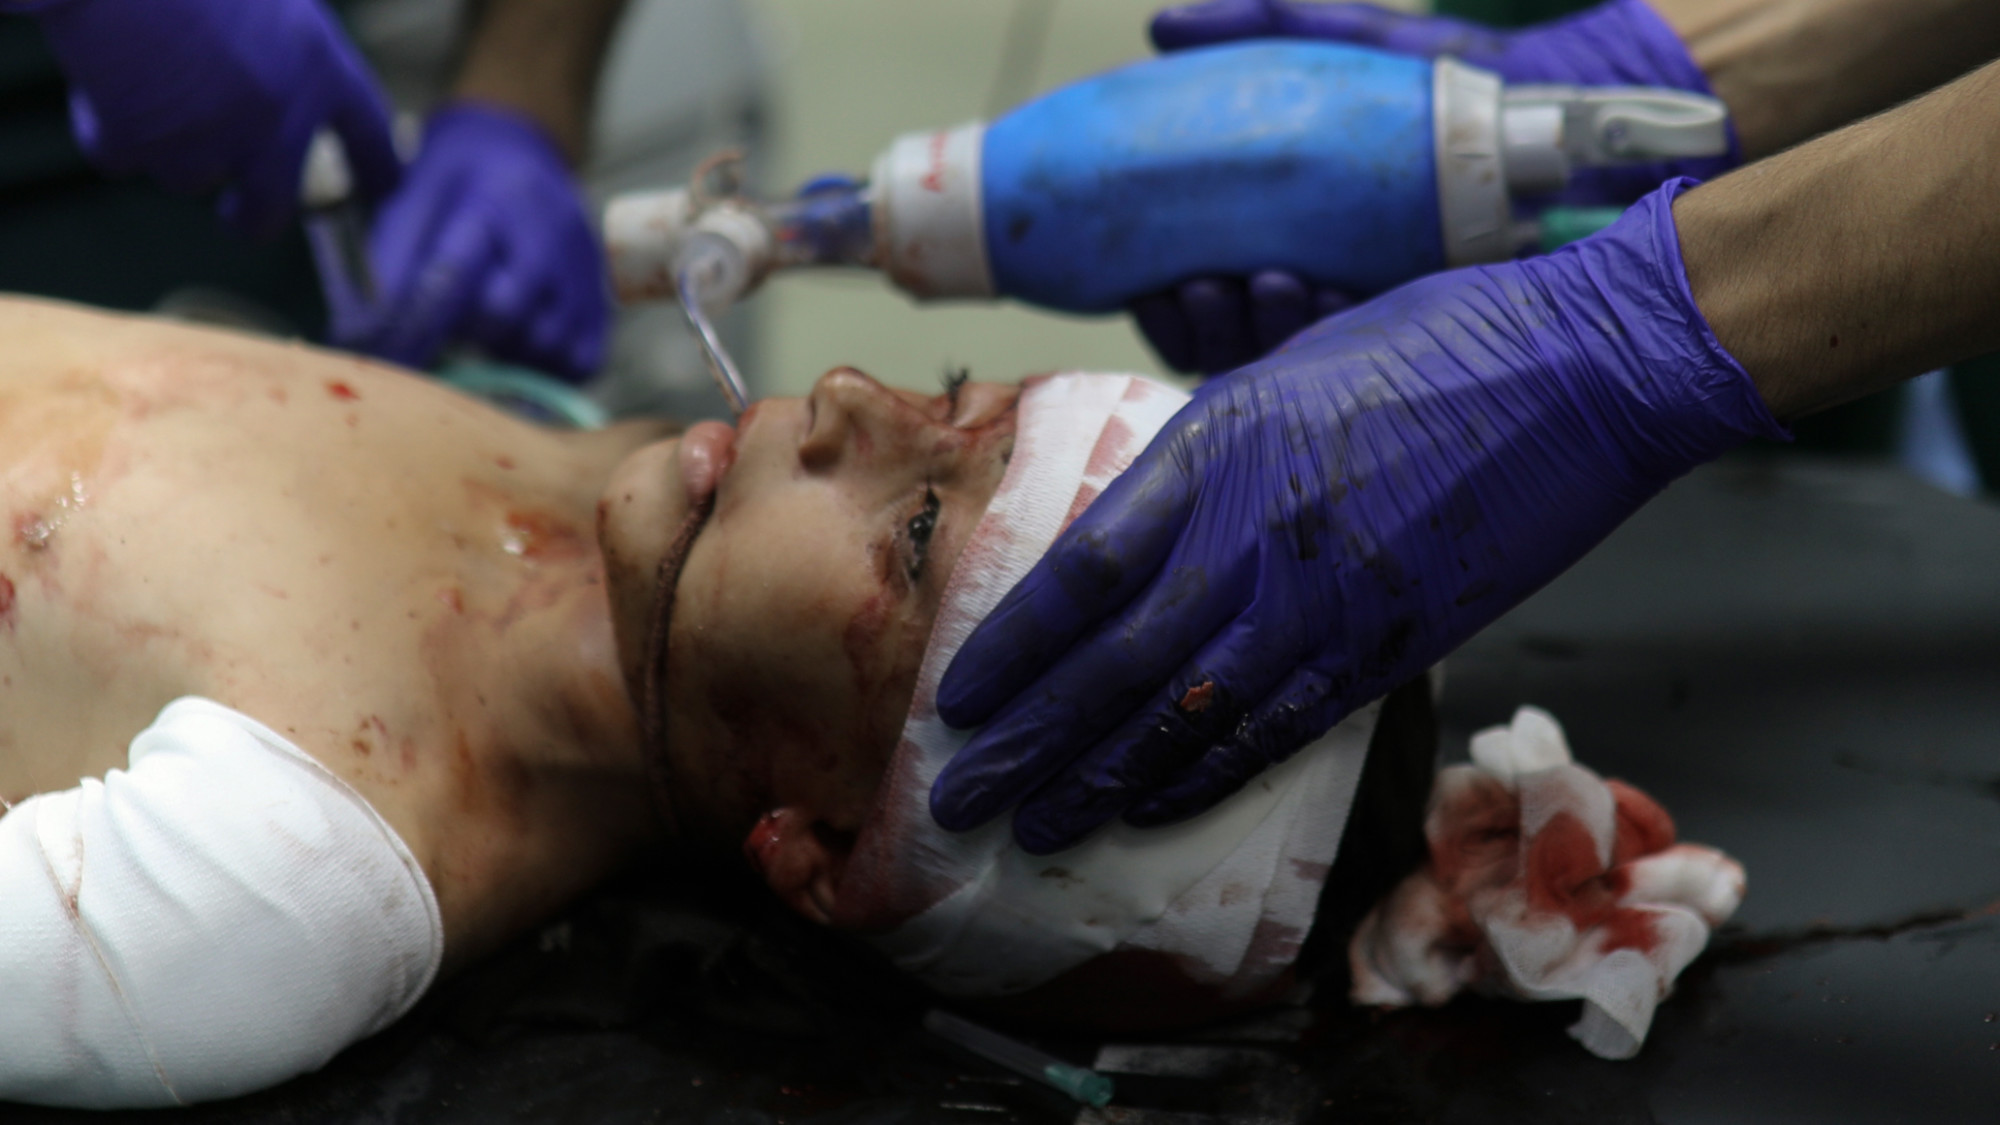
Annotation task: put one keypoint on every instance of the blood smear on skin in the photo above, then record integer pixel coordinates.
(862, 636)
(534, 535)
(762, 841)
(7, 601)
(32, 531)
(340, 390)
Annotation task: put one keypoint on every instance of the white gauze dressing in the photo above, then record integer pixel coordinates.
(1229, 895)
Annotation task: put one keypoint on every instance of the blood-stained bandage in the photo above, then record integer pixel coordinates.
(218, 917)
(1546, 882)
(1225, 899)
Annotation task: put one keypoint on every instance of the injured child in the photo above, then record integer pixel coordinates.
(362, 678)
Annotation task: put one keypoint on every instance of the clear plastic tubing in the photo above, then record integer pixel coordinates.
(711, 274)
(1080, 1083)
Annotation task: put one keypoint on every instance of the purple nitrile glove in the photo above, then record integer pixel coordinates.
(1315, 529)
(1621, 43)
(208, 95)
(486, 241)
(1216, 324)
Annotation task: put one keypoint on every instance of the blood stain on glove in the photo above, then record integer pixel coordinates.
(1198, 698)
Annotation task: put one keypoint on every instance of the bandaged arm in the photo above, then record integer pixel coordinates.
(221, 916)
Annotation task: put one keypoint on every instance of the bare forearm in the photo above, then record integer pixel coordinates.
(1861, 258)
(1793, 69)
(540, 57)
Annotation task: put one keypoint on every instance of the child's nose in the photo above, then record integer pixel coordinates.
(854, 414)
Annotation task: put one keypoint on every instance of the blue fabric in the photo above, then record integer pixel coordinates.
(487, 241)
(1218, 323)
(220, 95)
(1322, 526)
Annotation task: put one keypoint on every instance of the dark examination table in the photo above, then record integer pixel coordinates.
(1800, 659)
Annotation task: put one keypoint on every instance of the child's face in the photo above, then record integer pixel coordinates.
(804, 603)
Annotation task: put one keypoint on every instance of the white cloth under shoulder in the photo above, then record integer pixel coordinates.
(220, 916)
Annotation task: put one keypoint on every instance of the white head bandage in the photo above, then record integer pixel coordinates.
(1229, 896)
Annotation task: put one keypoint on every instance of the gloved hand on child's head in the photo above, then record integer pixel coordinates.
(1320, 527)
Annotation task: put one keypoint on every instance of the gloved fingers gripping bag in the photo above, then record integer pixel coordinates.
(1220, 903)
(1211, 324)
(218, 917)
(1618, 43)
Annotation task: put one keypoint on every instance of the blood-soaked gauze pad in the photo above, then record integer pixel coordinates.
(220, 916)
(1228, 897)
(1546, 882)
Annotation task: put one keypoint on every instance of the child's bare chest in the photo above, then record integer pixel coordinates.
(329, 554)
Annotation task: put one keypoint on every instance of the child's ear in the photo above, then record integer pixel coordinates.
(801, 860)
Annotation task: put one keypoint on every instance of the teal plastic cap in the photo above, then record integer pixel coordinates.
(1086, 1086)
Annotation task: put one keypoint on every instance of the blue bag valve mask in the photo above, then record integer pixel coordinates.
(1351, 167)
